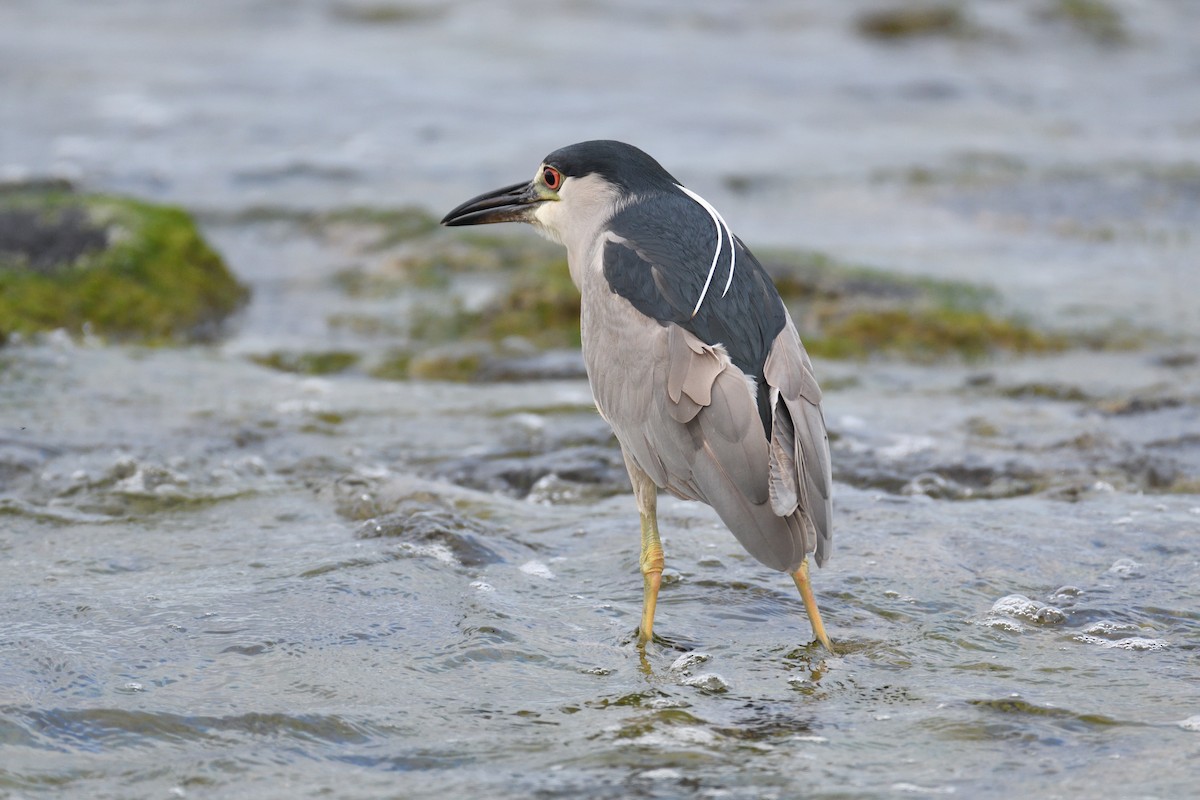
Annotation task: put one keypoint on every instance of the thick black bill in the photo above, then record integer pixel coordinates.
(511, 204)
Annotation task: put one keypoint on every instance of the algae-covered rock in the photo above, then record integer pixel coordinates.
(114, 266)
(326, 362)
(912, 20)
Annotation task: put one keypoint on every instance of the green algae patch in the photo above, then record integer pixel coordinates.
(846, 310)
(541, 305)
(927, 334)
(385, 13)
(537, 304)
(322, 363)
(911, 21)
(112, 266)
(810, 276)
(1095, 19)
(456, 364)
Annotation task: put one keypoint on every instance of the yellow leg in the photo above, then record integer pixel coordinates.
(800, 576)
(652, 569)
(651, 561)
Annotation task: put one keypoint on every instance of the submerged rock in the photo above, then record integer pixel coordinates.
(426, 525)
(107, 265)
(599, 469)
(548, 365)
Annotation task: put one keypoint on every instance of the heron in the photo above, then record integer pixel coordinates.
(691, 355)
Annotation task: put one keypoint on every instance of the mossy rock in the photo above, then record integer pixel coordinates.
(539, 304)
(326, 362)
(927, 334)
(911, 20)
(113, 266)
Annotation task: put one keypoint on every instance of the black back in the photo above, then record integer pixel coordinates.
(661, 269)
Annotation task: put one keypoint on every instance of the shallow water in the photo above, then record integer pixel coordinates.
(237, 634)
(222, 580)
(260, 642)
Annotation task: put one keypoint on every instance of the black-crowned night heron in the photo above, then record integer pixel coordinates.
(691, 354)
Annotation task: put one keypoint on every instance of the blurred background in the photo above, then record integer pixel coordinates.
(356, 529)
(1010, 141)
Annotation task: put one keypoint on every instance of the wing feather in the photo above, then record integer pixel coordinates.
(801, 472)
(721, 405)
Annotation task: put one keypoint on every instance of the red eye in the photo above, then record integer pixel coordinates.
(552, 178)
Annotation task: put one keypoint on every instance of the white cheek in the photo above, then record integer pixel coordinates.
(546, 220)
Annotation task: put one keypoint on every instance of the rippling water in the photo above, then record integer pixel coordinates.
(240, 632)
(218, 579)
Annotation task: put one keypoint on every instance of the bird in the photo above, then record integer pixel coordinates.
(691, 355)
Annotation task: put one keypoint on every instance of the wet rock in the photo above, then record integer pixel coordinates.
(425, 524)
(914, 469)
(1140, 404)
(1179, 360)
(551, 365)
(97, 487)
(707, 682)
(599, 468)
(152, 481)
(107, 265)
(478, 362)
(49, 244)
(1153, 471)
(1047, 391)
(685, 662)
(325, 362)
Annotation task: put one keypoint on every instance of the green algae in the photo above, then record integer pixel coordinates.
(912, 20)
(541, 305)
(927, 334)
(111, 266)
(849, 310)
(433, 365)
(1095, 19)
(811, 275)
(327, 362)
(385, 13)
(1044, 390)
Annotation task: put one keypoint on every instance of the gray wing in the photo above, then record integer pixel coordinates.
(739, 425)
(688, 417)
(801, 476)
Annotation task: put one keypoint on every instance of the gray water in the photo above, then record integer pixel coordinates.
(221, 580)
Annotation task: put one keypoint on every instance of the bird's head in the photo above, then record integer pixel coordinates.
(575, 190)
